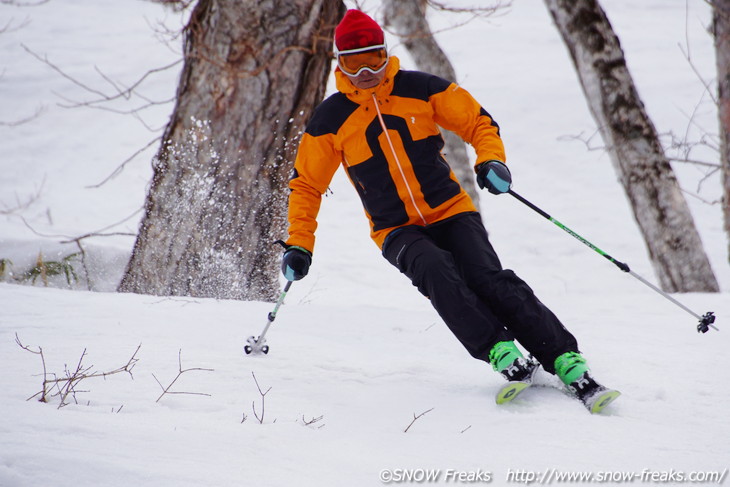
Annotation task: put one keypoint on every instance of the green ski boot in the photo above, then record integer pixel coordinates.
(572, 369)
(507, 359)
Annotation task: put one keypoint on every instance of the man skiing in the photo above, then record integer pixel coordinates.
(382, 126)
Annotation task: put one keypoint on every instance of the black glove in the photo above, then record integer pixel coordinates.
(295, 263)
(495, 176)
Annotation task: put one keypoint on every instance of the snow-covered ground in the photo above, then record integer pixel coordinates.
(355, 344)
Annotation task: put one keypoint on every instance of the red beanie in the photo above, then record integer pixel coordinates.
(356, 30)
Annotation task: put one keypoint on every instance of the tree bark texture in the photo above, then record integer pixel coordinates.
(657, 202)
(254, 71)
(721, 31)
(408, 18)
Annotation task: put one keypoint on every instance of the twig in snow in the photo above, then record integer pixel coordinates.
(43, 360)
(263, 399)
(313, 421)
(68, 384)
(416, 418)
(181, 371)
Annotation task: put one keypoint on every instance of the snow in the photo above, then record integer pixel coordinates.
(354, 342)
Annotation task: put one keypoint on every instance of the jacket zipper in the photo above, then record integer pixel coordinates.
(397, 160)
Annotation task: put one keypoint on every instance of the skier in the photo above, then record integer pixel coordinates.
(381, 126)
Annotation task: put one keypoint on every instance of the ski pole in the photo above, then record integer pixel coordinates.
(706, 320)
(258, 345)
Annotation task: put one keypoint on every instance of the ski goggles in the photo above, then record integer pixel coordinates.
(354, 61)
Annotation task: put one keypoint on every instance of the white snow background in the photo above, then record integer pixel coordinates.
(354, 343)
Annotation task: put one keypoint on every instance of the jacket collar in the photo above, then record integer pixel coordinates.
(344, 85)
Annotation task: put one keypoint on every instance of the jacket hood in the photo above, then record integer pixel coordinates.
(344, 85)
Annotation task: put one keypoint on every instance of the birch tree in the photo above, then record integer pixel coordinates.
(253, 73)
(721, 32)
(633, 145)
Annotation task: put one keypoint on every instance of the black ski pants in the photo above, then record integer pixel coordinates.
(453, 263)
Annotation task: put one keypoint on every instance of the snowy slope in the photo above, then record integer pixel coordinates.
(355, 343)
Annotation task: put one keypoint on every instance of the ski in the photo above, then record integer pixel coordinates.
(511, 390)
(594, 402)
(597, 402)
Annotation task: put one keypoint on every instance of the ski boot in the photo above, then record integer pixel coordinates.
(507, 359)
(572, 369)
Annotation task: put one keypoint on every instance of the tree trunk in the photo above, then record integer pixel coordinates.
(253, 73)
(721, 31)
(659, 207)
(408, 17)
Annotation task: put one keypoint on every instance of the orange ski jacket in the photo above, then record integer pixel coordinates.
(388, 140)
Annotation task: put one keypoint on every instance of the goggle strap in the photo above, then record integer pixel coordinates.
(360, 49)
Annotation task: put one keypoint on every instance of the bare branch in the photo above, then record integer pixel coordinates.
(176, 5)
(475, 11)
(43, 360)
(500, 7)
(22, 205)
(77, 240)
(120, 168)
(415, 418)
(103, 99)
(313, 421)
(695, 162)
(167, 36)
(135, 112)
(67, 385)
(10, 28)
(688, 57)
(181, 371)
(17, 3)
(702, 181)
(46, 61)
(87, 235)
(22, 121)
(588, 141)
(684, 147)
(121, 93)
(675, 144)
(263, 398)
